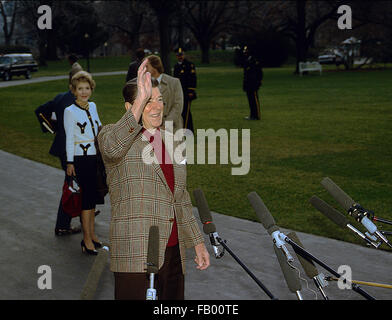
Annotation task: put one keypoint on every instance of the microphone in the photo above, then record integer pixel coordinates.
(309, 267)
(152, 260)
(354, 209)
(338, 194)
(210, 229)
(269, 224)
(338, 218)
(290, 274)
(206, 219)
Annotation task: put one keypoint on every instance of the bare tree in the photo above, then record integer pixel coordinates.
(8, 9)
(164, 11)
(207, 20)
(46, 38)
(302, 20)
(132, 18)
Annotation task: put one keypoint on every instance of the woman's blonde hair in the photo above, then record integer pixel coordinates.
(82, 76)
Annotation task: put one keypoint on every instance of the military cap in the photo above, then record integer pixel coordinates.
(179, 51)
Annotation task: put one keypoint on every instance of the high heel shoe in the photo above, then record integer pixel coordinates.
(97, 244)
(87, 250)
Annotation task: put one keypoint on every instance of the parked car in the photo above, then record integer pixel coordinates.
(16, 64)
(331, 57)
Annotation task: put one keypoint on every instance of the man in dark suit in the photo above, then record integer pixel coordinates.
(134, 65)
(51, 116)
(253, 76)
(185, 70)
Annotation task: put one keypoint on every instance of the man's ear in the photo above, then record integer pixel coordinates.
(127, 106)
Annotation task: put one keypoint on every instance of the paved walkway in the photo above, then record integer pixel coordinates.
(12, 83)
(29, 197)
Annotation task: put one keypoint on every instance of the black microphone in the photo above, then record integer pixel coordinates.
(269, 224)
(354, 209)
(338, 218)
(309, 267)
(206, 219)
(152, 260)
(290, 273)
(209, 228)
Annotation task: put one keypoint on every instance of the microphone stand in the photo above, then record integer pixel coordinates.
(378, 219)
(319, 286)
(223, 243)
(301, 251)
(151, 293)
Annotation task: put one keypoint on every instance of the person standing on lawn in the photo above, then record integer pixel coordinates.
(253, 76)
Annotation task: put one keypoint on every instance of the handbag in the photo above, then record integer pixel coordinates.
(71, 199)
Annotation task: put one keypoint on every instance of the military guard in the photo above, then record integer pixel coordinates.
(186, 72)
(253, 76)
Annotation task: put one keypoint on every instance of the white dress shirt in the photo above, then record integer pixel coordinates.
(79, 132)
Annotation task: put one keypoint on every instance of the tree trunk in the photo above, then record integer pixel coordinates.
(205, 51)
(301, 44)
(51, 49)
(164, 40)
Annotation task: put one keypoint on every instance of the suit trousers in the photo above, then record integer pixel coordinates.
(169, 283)
(187, 115)
(254, 104)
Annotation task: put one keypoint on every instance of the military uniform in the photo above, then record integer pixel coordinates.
(186, 72)
(253, 75)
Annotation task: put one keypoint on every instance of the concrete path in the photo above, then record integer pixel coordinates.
(29, 197)
(12, 83)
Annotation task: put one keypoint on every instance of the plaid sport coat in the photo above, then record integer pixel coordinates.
(140, 196)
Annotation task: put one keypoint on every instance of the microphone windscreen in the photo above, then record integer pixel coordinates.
(94, 275)
(328, 211)
(153, 250)
(290, 274)
(209, 228)
(262, 212)
(204, 211)
(307, 264)
(337, 193)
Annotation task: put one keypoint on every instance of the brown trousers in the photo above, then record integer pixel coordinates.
(169, 283)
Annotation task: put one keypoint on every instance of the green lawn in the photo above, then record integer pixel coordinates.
(335, 125)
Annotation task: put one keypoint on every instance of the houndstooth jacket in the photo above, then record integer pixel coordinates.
(140, 197)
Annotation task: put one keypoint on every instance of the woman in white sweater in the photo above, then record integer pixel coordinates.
(81, 124)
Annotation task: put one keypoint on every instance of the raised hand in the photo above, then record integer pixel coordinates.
(144, 86)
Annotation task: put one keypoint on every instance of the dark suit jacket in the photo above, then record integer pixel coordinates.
(57, 105)
(132, 70)
(253, 74)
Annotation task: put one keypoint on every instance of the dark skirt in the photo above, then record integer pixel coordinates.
(86, 175)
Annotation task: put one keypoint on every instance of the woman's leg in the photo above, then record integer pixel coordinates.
(86, 226)
(92, 226)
